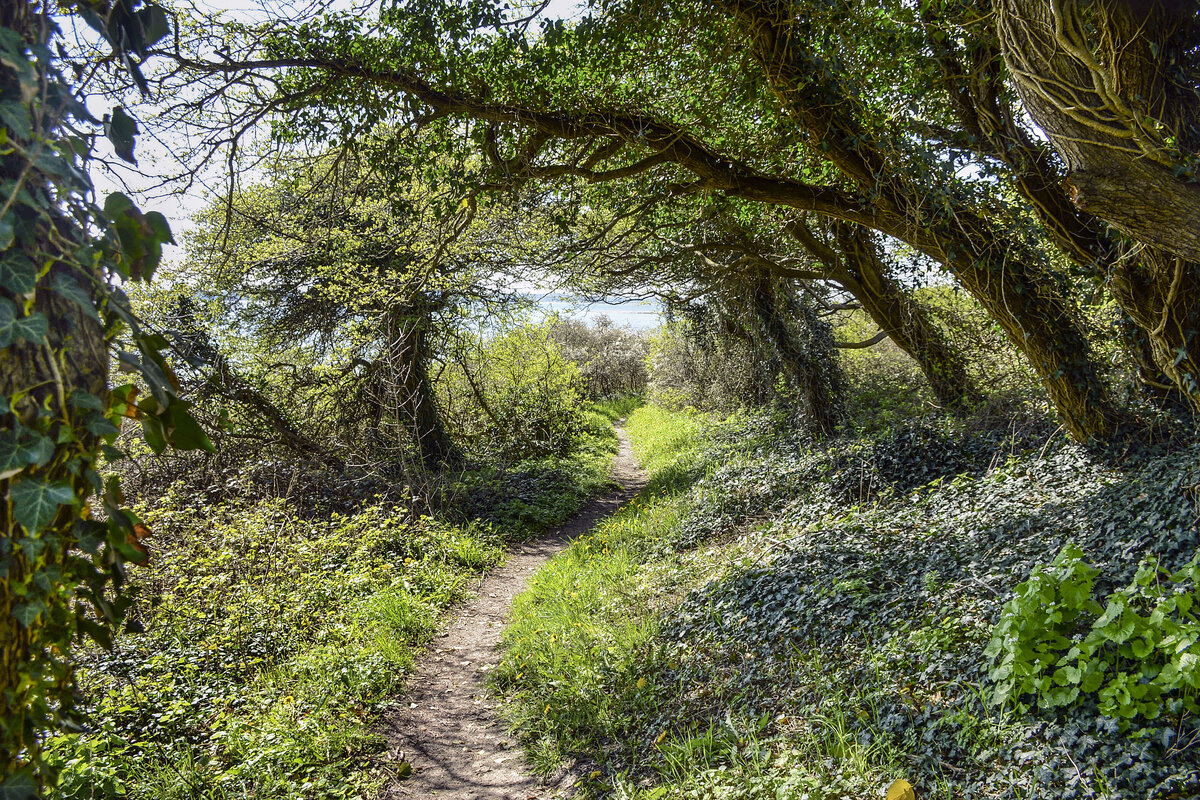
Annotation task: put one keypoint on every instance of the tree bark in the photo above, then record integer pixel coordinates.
(1097, 78)
(411, 391)
(1004, 277)
(861, 271)
(811, 366)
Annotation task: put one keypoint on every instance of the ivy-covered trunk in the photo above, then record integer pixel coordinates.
(1022, 295)
(905, 321)
(60, 315)
(809, 361)
(411, 390)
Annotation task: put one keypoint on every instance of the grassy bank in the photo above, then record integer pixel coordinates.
(777, 619)
(266, 638)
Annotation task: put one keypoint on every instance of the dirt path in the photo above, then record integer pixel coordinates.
(446, 726)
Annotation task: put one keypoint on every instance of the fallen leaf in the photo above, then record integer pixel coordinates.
(900, 790)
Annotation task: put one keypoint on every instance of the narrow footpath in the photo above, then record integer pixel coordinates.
(446, 726)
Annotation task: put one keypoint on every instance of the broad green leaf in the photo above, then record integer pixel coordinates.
(121, 129)
(20, 786)
(82, 399)
(35, 502)
(28, 613)
(17, 273)
(32, 328)
(71, 290)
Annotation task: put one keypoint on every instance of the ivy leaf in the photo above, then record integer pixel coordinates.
(82, 399)
(71, 290)
(27, 613)
(41, 451)
(13, 457)
(32, 329)
(155, 24)
(19, 787)
(17, 273)
(36, 502)
(100, 426)
(7, 233)
(120, 128)
(184, 432)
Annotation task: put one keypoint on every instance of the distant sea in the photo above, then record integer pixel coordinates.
(637, 314)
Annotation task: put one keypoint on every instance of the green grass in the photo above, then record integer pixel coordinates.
(774, 617)
(274, 638)
(619, 407)
(591, 677)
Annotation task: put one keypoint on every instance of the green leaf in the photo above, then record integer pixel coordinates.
(71, 290)
(155, 23)
(121, 129)
(40, 451)
(36, 502)
(17, 273)
(184, 432)
(153, 431)
(20, 786)
(13, 457)
(7, 232)
(100, 426)
(32, 329)
(82, 399)
(27, 613)
(116, 204)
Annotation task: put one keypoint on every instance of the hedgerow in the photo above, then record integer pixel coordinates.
(786, 634)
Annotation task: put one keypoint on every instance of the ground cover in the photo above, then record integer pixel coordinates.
(267, 638)
(984, 613)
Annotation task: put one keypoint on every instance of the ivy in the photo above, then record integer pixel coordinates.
(1139, 656)
(63, 259)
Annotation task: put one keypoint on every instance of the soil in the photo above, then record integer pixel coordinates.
(446, 727)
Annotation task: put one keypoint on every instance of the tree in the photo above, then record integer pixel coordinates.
(346, 258)
(62, 313)
(1113, 83)
(846, 162)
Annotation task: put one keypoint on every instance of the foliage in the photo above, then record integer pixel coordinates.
(268, 635)
(235, 689)
(1055, 641)
(513, 395)
(611, 359)
(63, 313)
(764, 626)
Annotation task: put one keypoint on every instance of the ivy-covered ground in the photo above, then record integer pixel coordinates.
(267, 637)
(777, 619)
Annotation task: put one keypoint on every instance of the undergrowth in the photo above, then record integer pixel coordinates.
(266, 639)
(773, 618)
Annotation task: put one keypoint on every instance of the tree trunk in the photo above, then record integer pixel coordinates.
(861, 271)
(810, 367)
(37, 380)
(411, 390)
(1005, 277)
(1098, 78)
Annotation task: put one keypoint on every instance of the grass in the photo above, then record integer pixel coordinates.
(273, 638)
(618, 407)
(773, 618)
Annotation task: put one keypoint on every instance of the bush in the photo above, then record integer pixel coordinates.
(514, 396)
(611, 359)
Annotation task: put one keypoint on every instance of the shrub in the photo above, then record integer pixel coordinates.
(611, 359)
(514, 396)
(1138, 653)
